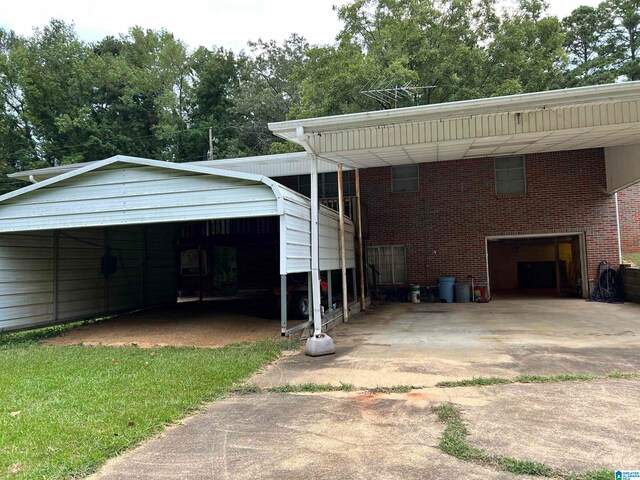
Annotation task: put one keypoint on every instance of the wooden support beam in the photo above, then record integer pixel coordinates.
(360, 245)
(557, 255)
(343, 248)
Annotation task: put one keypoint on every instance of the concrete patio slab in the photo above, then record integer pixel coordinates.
(573, 426)
(276, 436)
(427, 343)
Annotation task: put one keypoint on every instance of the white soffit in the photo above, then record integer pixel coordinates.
(588, 117)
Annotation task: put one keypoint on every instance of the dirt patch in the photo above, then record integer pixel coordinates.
(208, 324)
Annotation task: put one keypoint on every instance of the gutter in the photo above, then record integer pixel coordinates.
(508, 103)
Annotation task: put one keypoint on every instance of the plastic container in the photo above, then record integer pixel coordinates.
(463, 293)
(445, 289)
(414, 292)
(321, 344)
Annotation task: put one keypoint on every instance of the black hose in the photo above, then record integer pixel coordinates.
(608, 286)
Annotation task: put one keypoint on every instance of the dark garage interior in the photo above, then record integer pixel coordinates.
(547, 266)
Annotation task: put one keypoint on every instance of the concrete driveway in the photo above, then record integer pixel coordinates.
(575, 426)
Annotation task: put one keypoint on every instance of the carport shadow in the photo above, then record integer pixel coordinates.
(196, 324)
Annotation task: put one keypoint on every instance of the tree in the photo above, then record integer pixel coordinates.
(584, 30)
(622, 41)
(526, 53)
(214, 77)
(268, 88)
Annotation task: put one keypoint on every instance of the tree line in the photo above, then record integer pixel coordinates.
(145, 93)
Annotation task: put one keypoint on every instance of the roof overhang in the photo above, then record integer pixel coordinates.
(577, 118)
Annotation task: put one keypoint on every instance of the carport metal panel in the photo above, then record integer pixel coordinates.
(130, 191)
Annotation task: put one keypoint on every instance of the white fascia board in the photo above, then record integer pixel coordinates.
(509, 103)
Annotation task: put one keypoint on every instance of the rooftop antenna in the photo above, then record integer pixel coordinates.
(388, 94)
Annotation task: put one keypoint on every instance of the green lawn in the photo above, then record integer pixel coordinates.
(633, 258)
(65, 410)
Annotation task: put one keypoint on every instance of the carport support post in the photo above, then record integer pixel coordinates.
(556, 249)
(283, 304)
(343, 248)
(315, 250)
(360, 245)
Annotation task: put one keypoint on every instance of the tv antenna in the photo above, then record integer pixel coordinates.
(389, 95)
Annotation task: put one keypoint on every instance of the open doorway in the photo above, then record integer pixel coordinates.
(551, 266)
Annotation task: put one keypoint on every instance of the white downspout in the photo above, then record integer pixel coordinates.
(315, 250)
(615, 196)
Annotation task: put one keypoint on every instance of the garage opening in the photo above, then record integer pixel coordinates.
(547, 266)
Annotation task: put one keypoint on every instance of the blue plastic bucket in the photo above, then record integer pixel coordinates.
(445, 290)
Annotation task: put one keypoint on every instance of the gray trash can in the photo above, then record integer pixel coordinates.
(463, 292)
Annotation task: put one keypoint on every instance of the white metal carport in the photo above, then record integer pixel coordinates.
(48, 275)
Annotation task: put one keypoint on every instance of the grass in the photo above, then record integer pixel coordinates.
(392, 389)
(65, 410)
(474, 382)
(633, 258)
(623, 375)
(310, 388)
(454, 442)
(563, 377)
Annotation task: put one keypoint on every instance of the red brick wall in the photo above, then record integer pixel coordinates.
(445, 224)
(629, 206)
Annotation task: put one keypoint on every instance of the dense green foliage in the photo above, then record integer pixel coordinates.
(146, 94)
(65, 410)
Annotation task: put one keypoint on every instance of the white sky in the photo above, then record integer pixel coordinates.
(227, 23)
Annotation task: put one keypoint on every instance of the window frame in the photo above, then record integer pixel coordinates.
(377, 248)
(524, 174)
(417, 178)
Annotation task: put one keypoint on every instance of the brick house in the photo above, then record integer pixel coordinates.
(518, 192)
(526, 193)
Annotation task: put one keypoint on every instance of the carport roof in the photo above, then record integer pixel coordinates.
(279, 165)
(70, 171)
(575, 118)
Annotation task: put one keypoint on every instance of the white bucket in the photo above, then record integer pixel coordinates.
(415, 293)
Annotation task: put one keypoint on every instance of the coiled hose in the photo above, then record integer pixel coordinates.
(608, 288)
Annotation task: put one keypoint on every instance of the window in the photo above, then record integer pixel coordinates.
(405, 178)
(390, 262)
(327, 185)
(510, 175)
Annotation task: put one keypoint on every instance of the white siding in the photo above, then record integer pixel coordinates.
(298, 234)
(81, 286)
(330, 240)
(127, 194)
(623, 167)
(297, 247)
(26, 280)
(145, 276)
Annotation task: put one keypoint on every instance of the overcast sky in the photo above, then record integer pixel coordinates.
(227, 23)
